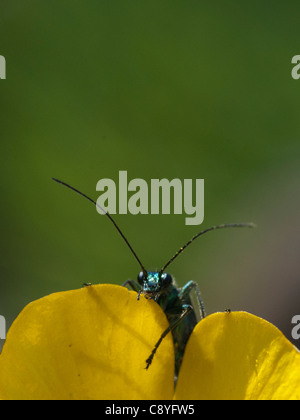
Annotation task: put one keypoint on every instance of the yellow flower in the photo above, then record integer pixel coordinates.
(92, 343)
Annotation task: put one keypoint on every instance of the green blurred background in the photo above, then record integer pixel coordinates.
(162, 89)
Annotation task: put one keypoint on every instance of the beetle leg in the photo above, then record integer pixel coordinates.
(133, 284)
(185, 293)
(185, 311)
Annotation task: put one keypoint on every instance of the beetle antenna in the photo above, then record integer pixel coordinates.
(110, 218)
(233, 225)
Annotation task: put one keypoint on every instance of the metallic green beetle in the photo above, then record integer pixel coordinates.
(183, 307)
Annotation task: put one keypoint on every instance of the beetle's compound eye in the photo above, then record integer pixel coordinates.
(141, 277)
(166, 279)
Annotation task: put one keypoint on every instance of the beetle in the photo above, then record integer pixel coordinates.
(183, 307)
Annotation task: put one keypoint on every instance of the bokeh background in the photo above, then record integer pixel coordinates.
(162, 89)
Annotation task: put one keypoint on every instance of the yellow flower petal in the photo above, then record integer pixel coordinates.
(90, 343)
(238, 356)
